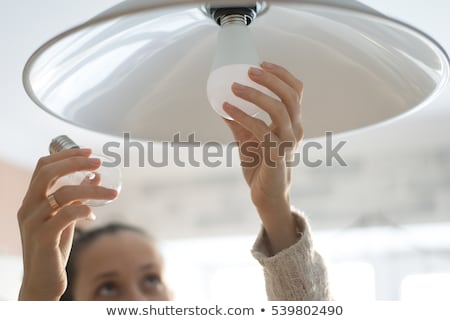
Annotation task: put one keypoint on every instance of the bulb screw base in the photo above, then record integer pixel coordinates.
(243, 13)
(61, 143)
(233, 19)
(225, 16)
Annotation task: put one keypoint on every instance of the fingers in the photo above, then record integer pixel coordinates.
(50, 172)
(276, 109)
(253, 125)
(240, 134)
(286, 77)
(36, 206)
(49, 232)
(68, 194)
(43, 161)
(74, 194)
(286, 124)
(291, 97)
(288, 94)
(285, 114)
(40, 221)
(68, 216)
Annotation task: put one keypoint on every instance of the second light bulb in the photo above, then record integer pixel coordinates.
(109, 177)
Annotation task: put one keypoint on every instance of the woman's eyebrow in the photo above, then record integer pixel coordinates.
(105, 275)
(149, 266)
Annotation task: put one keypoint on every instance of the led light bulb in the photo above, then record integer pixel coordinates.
(235, 55)
(109, 177)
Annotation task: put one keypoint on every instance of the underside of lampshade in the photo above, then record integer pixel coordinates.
(142, 67)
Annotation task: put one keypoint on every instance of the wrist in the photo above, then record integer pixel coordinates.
(275, 210)
(28, 295)
(280, 226)
(29, 292)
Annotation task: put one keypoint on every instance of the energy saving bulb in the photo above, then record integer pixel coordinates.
(235, 55)
(109, 177)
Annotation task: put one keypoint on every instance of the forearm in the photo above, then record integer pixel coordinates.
(280, 226)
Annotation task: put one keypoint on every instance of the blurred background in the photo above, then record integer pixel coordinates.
(382, 222)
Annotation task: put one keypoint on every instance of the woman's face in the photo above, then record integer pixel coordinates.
(122, 266)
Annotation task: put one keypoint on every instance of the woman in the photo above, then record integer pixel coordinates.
(293, 271)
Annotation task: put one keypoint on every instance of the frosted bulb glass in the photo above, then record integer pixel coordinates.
(235, 55)
(219, 84)
(109, 177)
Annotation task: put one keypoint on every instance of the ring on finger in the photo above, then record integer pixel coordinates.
(53, 202)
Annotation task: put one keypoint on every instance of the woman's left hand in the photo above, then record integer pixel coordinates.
(266, 149)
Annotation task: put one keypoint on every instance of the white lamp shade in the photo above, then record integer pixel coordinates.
(142, 67)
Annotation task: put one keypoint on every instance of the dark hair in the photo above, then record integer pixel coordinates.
(82, 240)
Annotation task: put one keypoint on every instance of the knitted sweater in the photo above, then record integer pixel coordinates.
(296, 273)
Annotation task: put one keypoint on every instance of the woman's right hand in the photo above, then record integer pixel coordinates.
(47, 232)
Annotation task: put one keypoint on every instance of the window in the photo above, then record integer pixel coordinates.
(353, 281)
(426, 287)
(238, 283)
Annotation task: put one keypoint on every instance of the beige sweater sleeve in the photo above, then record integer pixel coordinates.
(297, 273)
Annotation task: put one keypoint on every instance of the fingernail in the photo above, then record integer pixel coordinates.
(95, 161)
(85, 150)
(113, 193)
(227, 107)
(256, 71)
(268, 65)
(238, 88)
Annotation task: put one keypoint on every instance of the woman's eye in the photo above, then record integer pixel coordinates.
(152, 280)
(107, 290)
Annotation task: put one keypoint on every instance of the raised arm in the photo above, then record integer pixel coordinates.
(47, 222)
(293, 270)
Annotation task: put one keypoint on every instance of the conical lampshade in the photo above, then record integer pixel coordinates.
(142, 67)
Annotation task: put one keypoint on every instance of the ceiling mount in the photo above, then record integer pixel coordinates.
(223, 14)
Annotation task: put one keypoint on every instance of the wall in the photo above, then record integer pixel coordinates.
(13, 184)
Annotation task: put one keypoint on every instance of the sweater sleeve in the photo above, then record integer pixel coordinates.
(296, 273)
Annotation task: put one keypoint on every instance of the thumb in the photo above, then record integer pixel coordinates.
(240, 133)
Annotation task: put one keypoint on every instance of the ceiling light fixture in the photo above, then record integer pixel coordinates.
(142, 66)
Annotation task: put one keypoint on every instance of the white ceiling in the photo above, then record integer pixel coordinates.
(26, 130)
